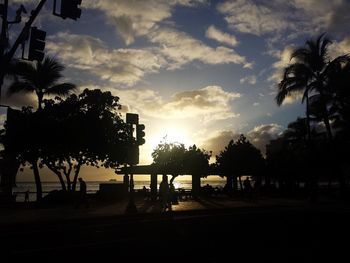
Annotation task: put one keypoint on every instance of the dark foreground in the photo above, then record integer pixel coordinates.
(262, 234)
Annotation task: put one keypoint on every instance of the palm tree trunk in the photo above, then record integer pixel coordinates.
(308, 117)
(39, 191)
(40, 100)
(328, 127)
(325, 116)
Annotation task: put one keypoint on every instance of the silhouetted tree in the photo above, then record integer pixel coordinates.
(238, 158)
(196, 163)
(66, 134)
(170, 157)
(88, 131)
(308, 73)
(338, 82)
(40, 78)
(176, 159)
(23, 140)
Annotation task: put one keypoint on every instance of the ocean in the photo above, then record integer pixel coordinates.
(93, 186)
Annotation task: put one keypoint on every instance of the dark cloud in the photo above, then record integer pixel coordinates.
(259, 136)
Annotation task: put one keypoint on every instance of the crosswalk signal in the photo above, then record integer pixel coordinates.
(36, 44)
(69, 8)
(140, 134)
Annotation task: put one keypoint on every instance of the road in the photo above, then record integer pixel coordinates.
(248, 234)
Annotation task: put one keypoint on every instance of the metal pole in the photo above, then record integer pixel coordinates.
(131, 208)
(3, 41)
(6, 58)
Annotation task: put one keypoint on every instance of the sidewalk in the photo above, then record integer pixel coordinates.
(27, 213)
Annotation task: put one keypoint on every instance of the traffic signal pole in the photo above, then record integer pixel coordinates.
(3, 40)
(6, 58)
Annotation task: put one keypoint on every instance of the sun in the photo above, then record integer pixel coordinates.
(170, 135)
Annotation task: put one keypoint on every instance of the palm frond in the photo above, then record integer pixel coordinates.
(50, 70)
(25, 70)
(300, 54)
(19, 86)
(63, 89)
(323, 49)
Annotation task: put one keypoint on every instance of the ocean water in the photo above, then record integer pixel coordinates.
(93, 186)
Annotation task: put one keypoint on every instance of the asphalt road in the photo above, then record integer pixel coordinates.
(308, 234)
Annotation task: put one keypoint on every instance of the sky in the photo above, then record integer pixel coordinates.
(196, 71)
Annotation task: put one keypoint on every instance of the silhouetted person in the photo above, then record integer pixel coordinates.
(82, 193)
(26, 196)
(173, 196)
(164, 192)
(247, 186)
(145, 192)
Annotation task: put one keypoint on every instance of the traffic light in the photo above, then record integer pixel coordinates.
(69, 8)
(36, 44)
(140, 134)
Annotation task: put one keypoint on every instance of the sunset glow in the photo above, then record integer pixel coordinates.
(197, 72)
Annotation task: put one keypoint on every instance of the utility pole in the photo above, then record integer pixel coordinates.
(69, 9)
(3, 40)
(6, 57)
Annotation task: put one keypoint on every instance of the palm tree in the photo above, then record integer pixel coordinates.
(338, 83)
(41, 78)
(308, 74)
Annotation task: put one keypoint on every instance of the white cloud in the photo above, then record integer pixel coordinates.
(292, 98)
(222, 37)
(256, 104)
(248, 79)
(284, 59)
(137, 18)
(296, 16)
(207, 104)
(339, 48)
(248, 16)
(120, 66)
(127, 66)
(3, 117)
(180, 48)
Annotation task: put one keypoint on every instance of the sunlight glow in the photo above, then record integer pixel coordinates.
(170, 135)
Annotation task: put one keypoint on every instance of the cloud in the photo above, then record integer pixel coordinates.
(180, 48)
(222, 37)
(17, 100)
(260, 17)
(219, 140)
(284, 59)
(3, 117)
(256, 104)
(259, 136)
(339, 48)
(250, 17)
(127, 66)
(120, 66)
(248, 79)
(137, 18)
(210, 103)
(263, 134)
